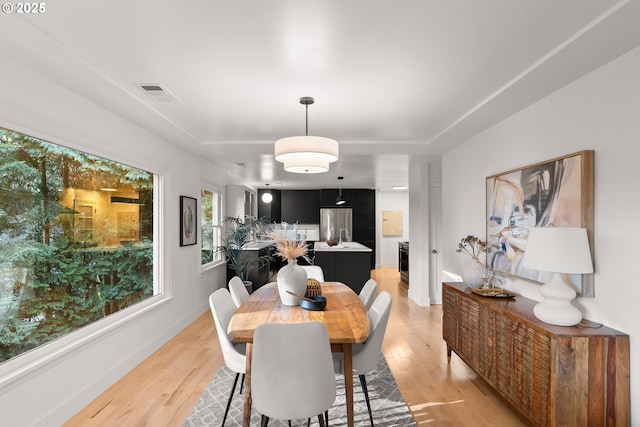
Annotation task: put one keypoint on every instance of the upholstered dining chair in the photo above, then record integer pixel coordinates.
(222, 309)
(292, 374)
(239, 292)
(365, 355)
(314, 272)
(368, 293)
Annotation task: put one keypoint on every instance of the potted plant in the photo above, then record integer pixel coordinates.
(237, 235)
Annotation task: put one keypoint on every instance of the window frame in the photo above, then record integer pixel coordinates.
(41, 358)
(219, 259)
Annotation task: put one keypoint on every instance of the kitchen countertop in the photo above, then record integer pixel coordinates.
(344, 247)
(256, 246)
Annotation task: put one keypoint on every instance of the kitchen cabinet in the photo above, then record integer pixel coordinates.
(259, 276)
(364, 219)
(240, 202)
(349, 265)
(301, 206)
(250, 204)
(271, 212)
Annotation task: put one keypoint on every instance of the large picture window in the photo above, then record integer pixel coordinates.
(76, 240)
(211, 227)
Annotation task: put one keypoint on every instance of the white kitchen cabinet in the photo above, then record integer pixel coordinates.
(241, 202)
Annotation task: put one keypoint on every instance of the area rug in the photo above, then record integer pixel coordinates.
(387, 405)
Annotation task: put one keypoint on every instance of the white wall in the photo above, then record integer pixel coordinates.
(46, 387)
(600, 111)
(387, 251)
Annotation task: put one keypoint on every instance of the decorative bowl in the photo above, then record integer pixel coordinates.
(332, 242)
(318, 304)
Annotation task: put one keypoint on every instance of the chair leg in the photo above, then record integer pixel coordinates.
(363, 383)
(264, 421)
(323, 419)
(226, 411)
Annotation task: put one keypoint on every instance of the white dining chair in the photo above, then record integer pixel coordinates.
(222, 309)
(314, 272)
(239, 292)
(365, 355)
(292, 374)
(368, 293)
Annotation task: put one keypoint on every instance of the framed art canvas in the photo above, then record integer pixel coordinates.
(554, 193)
(392, 223)
(188, 221)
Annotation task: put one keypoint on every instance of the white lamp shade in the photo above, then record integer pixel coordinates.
(305, 163)
(267, 197)
(306, 154)
(558, 250)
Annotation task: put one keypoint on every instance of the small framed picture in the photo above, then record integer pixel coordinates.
(188, 221)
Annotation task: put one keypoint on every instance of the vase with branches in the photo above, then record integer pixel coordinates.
(475, 270)
(291, 277)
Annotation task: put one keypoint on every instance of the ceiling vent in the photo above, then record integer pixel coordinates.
(157, 92)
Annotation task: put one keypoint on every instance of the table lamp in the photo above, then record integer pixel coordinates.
(561, 251)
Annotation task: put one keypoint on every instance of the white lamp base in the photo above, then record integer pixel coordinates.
(556, 308)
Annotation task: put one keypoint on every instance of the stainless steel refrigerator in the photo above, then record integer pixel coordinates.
(332, 221)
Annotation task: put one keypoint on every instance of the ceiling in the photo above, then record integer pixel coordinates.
(392, 80)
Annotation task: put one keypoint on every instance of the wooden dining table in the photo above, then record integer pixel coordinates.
(345, 318)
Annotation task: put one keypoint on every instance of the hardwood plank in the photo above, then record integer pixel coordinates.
(163, 389)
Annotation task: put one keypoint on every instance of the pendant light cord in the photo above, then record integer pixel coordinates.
(306, 120)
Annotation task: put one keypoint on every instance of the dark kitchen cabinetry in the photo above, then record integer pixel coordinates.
(259, 276)
(300, 206)
(270, 211)
(364, 219)
(351, 268)
(303, 206)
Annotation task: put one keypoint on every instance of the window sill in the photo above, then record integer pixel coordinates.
(33, 362)
(210, 266)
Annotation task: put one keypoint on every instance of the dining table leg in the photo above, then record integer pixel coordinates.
(348, 382)
(246, 416)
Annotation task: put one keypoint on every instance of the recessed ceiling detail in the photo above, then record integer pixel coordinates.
(433, 80)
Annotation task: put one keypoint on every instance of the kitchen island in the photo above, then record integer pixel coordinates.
(258, 276)
(348, 262)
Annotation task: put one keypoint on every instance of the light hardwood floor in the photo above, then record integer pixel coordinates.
(163, 389)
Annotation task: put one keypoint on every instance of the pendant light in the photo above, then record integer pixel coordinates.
(306, 154)
(267, 197)
(340, 200)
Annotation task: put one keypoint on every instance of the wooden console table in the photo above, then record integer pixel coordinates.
(552, 375)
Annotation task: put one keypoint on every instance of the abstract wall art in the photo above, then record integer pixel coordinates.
(553, 193)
